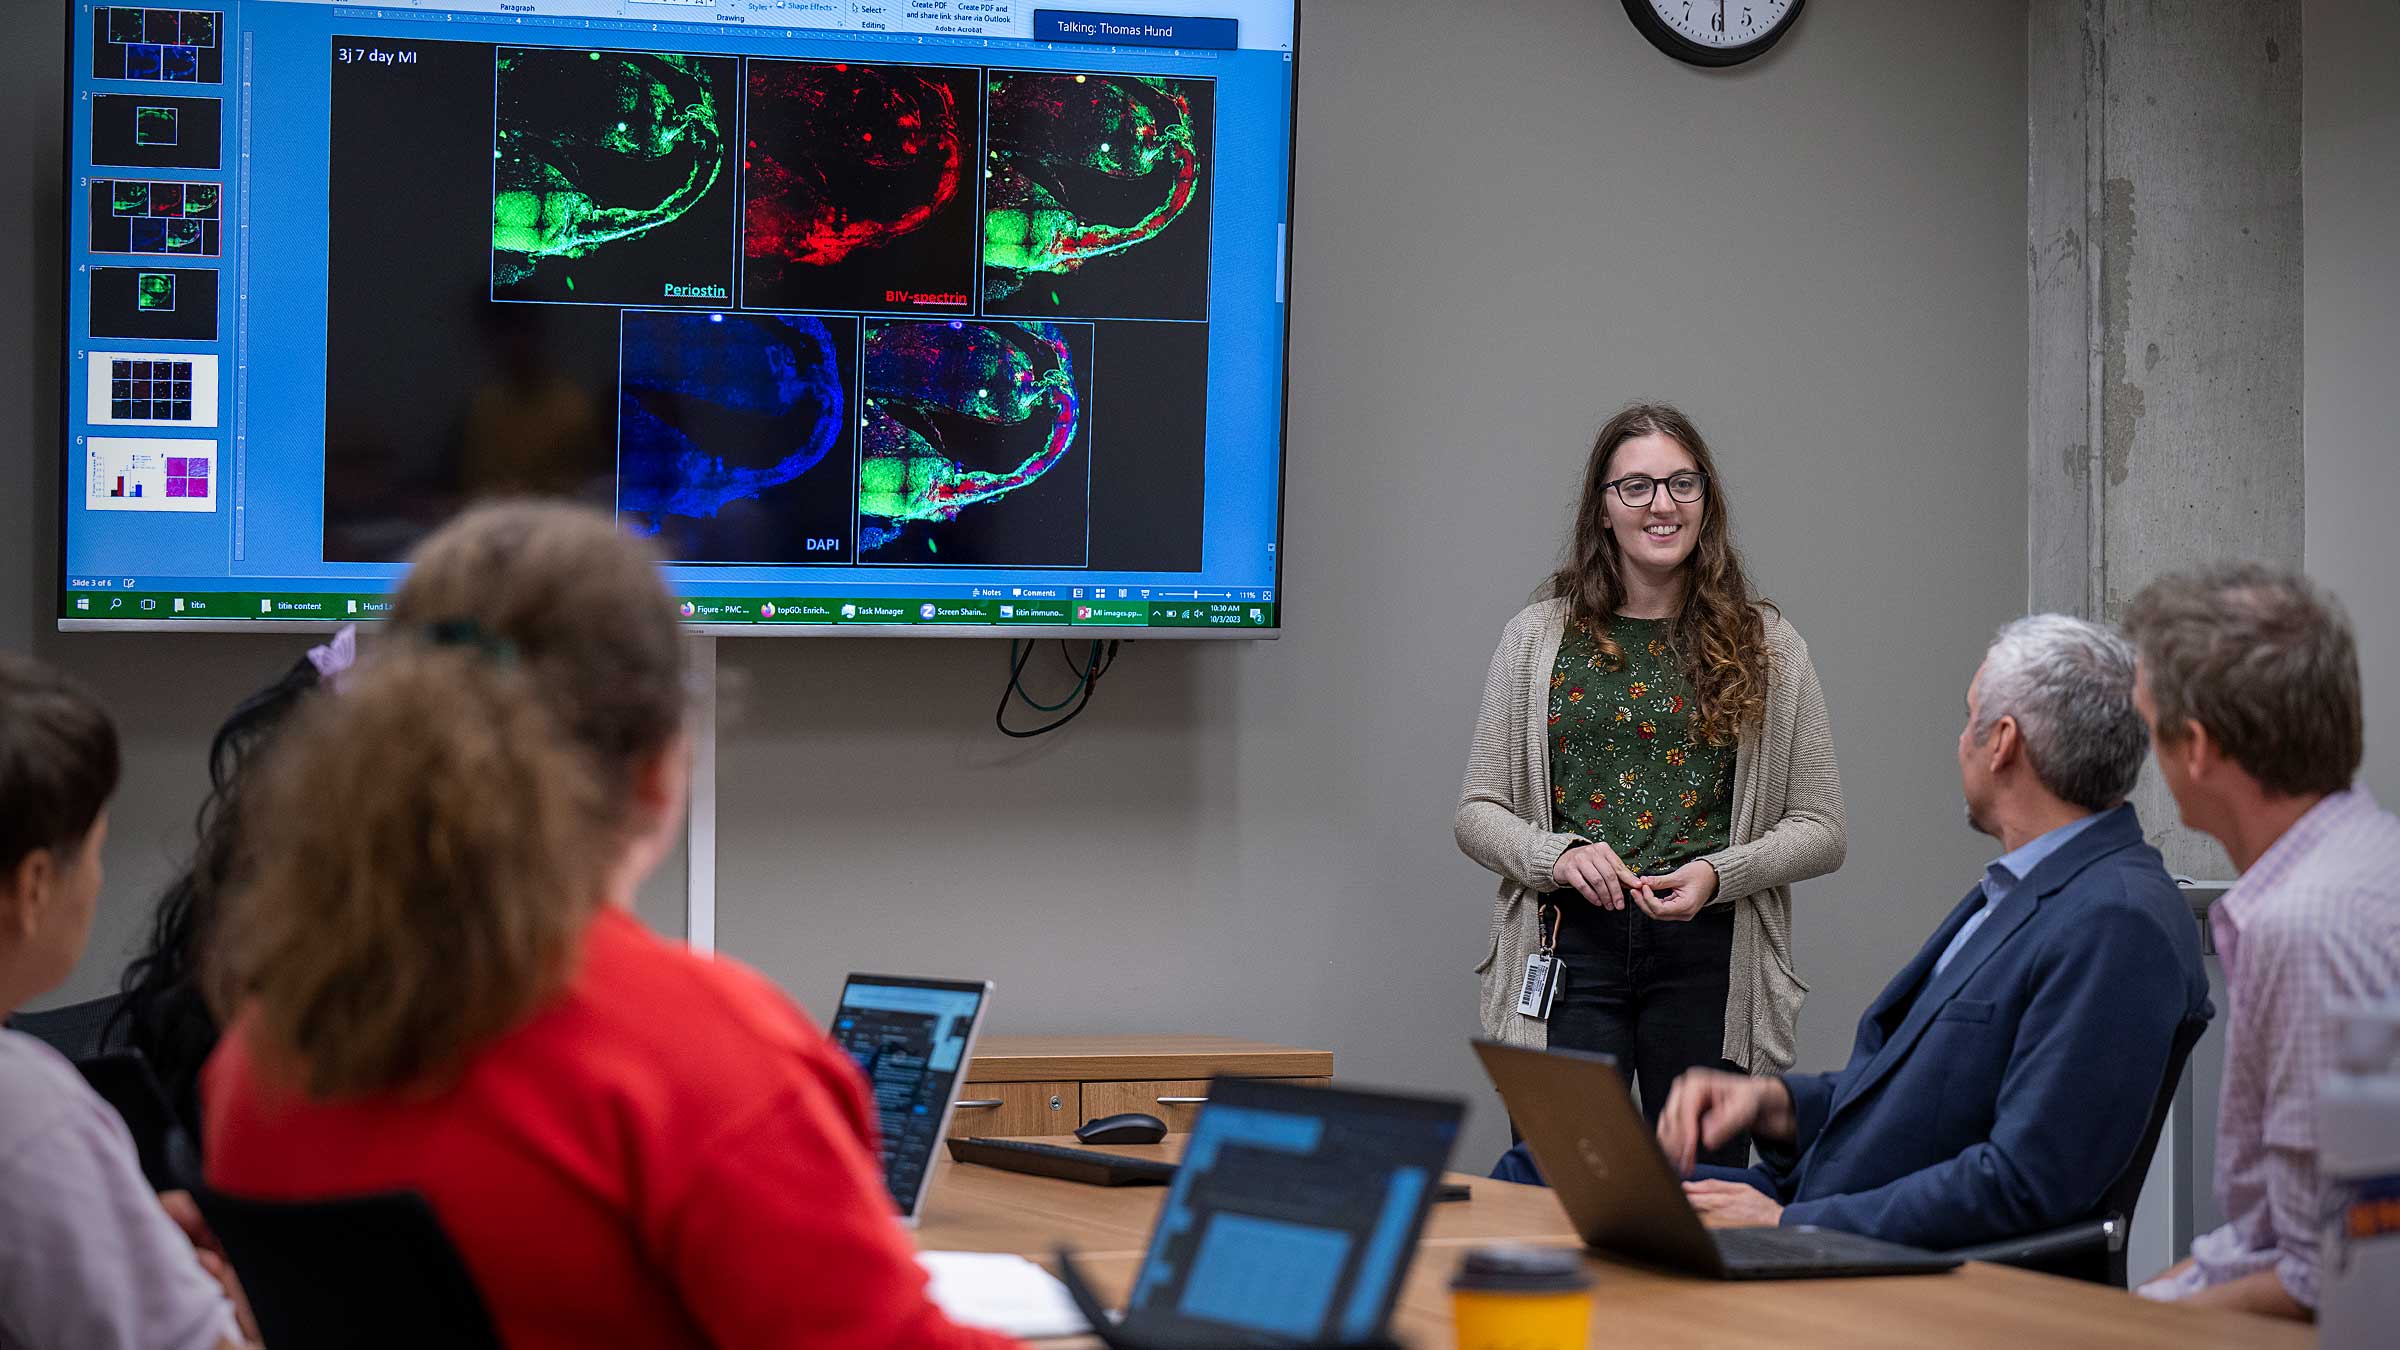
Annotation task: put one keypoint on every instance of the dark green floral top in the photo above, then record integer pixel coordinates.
(1624, 768)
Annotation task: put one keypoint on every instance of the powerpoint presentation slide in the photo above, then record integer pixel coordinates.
(127, 474)
(858, 188)
(1149, 418)
(175, 46)
(155, 131)
(613, 177)
(1097, 204)
(175, 303)
(734, 435)
(976, 449)
(133, 215)
(435, 396)
(165, 389)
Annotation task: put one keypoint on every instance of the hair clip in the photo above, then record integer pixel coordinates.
(334, 658)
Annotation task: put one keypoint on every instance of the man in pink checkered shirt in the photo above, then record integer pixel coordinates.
(2249, 682)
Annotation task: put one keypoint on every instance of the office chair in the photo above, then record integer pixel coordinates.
(75, 1030)
(371, 1272)
(123, 1079)
(2093, 1248)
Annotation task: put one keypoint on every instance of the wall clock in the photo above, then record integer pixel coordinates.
(1713, 32)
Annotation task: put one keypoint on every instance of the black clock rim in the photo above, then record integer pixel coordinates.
(1684, 49)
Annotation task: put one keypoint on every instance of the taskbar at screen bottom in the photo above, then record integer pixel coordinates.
(283, 607)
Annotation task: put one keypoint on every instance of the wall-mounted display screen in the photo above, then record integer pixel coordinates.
(930, 315)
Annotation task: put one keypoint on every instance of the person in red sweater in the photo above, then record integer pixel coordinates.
(433, 981)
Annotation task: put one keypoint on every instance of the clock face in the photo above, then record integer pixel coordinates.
(1713, 32)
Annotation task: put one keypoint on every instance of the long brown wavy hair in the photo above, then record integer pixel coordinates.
(429, 844)
(1720, 640)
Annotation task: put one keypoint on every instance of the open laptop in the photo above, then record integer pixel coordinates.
(912, 1038)
(1291, 1221)
(1601, 1158)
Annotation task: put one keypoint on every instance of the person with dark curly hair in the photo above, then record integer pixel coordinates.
(163, 1014)
(1652, 771)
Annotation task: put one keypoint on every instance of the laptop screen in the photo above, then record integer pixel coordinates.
(1295, 1212)
(911, 1038)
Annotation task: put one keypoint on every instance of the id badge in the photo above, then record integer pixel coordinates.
(1534, 996)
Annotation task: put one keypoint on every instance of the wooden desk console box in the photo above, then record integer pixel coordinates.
(1026, 1085)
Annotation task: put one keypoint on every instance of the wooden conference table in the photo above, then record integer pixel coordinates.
(980, 1209)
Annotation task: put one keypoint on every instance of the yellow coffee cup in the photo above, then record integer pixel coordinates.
(1510, 1297)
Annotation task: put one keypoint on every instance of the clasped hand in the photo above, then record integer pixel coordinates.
(1595, 872)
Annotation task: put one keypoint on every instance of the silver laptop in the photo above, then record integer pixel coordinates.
(1625, 1199)
(912, 1038)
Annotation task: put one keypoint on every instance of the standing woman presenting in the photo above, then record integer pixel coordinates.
(1651, 773)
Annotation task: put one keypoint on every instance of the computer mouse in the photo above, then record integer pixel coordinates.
(1131, 1127)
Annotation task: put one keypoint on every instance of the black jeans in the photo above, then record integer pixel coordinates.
(1648, 992)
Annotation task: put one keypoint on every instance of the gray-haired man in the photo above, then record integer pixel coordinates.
(2002, 1080)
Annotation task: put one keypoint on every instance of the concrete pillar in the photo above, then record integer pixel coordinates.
(2163, 266)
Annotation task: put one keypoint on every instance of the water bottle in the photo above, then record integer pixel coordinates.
(2358, 1162)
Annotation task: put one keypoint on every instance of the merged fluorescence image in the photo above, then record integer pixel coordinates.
(856, 187)
(734, 435)
(612, 176)
(974, 446)
(1096, 202)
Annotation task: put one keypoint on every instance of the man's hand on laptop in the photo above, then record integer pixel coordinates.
(1731, 1204)
(1707, 1108)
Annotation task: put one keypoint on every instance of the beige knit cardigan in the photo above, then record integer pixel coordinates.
(1787, 827)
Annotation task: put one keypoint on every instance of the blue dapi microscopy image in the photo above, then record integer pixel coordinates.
(734, 435)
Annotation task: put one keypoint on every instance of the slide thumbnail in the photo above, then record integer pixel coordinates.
(612, 177)
(161, 302)
(155, 131)
(171, 389)
(124, 474)
(734, 435)
(177, 46)
(132, 215)
(856, 192)
(1098, 200)
(966, 458)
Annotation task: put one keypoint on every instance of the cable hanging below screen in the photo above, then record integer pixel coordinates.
(1096, 663)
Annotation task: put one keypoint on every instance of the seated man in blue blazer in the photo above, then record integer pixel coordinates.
(2003, 1078)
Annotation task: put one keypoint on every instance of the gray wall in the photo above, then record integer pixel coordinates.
(1504, 228)
(2350, 151)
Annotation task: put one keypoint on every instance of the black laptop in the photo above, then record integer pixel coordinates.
(1600, 1157)
(1292, 1221)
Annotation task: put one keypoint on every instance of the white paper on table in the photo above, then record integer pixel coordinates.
(1001, 1292)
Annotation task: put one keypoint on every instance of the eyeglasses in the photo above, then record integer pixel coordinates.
(1636, 489)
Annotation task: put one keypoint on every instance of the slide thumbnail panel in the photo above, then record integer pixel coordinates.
(130, 474)
(734, 435)
(974, 451)
(174, 46)
(155, 131)
(175, 303)
(177, 389)
(613, 178)
(857, 187)
(133, 215)
(1098, 201)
